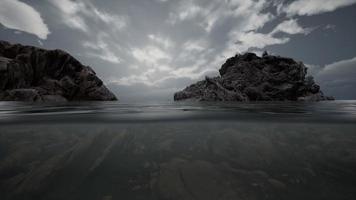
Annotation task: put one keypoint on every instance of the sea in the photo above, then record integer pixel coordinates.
(178, 151)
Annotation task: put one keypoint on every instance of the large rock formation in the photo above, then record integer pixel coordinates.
(32, 74)
(251, 78)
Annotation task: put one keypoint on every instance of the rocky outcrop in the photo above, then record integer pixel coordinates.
(249, 77)
(32, 74)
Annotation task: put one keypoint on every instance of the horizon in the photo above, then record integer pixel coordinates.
(147, 50)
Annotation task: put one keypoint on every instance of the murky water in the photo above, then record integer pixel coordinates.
(178, 151)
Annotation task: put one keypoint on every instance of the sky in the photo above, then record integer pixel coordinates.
(145, 50)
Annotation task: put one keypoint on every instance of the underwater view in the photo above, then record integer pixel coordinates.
(201, 151)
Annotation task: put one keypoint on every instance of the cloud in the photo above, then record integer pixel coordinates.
(195, 45)
(192, 50)
(290, 27)
(157, 65)
(344, 71)
(102, 50)
(154, 58)
(70, 13)
(101, 27)
(258, 40)
(75, 14)
(150, 55)
(337, 79)
(132, 80)
(115, 21)
(210, 13)
(197, 57)
(17, 15)
(246, 40)
(152, 64)
(186, 10)
(313, 7)
(313, 69)
(162, 41)
(330, 27)
(107, 55)
(162, 1)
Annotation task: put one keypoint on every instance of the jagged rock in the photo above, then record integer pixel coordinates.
(249, 77)
(32, 74)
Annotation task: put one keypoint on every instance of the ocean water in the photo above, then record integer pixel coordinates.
(175, 151)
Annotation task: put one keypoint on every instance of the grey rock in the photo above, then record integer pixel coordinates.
(21, 95)
(249, 77)
(53, 98)
(32, 74)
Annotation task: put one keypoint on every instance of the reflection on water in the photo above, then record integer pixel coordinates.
(178, 151)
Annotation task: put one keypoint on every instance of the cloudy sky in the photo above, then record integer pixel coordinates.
(148, 49)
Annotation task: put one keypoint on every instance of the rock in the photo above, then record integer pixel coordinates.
(53, 98)
(277, 184)
(32, 74)
(21, 95)
(249, 77)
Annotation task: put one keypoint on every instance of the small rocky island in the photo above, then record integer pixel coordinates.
(249, 77)
(32, 74)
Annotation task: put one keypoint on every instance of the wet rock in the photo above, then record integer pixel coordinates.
(21, 95)
(249, 77)
(32, 74)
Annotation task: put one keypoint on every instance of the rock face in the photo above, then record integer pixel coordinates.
(251, 78)
(32, 74)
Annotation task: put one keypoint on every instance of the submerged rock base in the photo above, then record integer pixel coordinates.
(32, 74)
(249, 77)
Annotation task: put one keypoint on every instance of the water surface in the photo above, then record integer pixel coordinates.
(205, 151)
